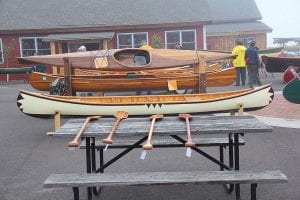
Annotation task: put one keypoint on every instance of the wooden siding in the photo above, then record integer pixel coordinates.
(226, 43)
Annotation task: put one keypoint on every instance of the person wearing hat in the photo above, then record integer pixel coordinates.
(239, 63)
(253, 63)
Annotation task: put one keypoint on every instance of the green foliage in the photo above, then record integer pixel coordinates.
(156, 41)
(7, 49)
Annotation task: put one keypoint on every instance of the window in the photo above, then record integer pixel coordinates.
(186, 39)
(30, 46)
(90, 46)
(244, 40)
(1, 52)
(131, 40)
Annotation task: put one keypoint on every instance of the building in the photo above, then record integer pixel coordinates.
(53, 26)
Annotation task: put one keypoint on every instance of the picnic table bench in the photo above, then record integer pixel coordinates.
(165, 178)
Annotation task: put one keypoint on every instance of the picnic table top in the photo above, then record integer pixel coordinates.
(168, 125)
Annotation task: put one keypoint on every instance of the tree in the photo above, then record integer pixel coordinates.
(7, 49)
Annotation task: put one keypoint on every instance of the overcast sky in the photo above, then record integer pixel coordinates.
(283, 16)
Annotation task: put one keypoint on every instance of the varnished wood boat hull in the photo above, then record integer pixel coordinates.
(41, 105)
(132, 82)
(122, 59)
(291, 90)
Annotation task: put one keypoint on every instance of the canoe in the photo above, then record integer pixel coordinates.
(175, 70)
(15, 70)
(44, 105)
(279, 64)
(291, 90)
(128, 59)
(290, 73)
(260, 51)
(185, 79)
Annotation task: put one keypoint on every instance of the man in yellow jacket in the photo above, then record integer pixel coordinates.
(239, 63)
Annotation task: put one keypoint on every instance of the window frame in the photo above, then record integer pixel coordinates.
(1, 52)
(35, 44)
(247, 38)
(132, 38)
(180, 37)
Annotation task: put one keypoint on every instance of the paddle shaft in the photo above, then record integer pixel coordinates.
(74, 142)
(189, 142)
(108, 140)
(148, 145)
(119, 115)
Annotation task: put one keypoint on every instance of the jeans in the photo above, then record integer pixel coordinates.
(253, 72)
(240, 75)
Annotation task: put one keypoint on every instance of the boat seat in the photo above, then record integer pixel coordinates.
(139, 60)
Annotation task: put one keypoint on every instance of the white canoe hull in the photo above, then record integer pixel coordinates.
(40, 105)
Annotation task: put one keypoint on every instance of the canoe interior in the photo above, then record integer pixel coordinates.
(291, 90)
(151, 98)
(279, 64)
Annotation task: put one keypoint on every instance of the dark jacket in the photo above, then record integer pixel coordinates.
(252, 56)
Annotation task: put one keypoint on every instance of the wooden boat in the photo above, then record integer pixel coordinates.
(125, 59)
(290, 73)
(184, 79)
(43, 105)
(260, 51)
(15, 70)
(175, 70)
(291, 90)
(279, 64)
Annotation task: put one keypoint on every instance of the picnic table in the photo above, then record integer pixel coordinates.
(170, 131)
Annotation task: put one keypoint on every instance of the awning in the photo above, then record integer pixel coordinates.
(79, 36)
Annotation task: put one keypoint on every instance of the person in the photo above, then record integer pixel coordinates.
(253, 64)
(178, 46)
(239, 63)
(82, 48)
(144, 45)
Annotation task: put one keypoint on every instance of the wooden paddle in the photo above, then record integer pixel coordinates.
(148, 145)
(74, 142)
(119, 115)
(189, 142)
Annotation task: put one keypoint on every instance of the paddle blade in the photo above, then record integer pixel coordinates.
(184, 115)
(121, 114)
(158, 116)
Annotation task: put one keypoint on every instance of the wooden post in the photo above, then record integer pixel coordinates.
(241, 109)
(53, 51)
(200, 69)
(59, 47)
(104, 44)
(67, 79)
(57, 120)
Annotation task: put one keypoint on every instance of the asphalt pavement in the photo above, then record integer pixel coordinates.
(28, 156)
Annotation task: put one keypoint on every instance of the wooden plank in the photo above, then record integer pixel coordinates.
(67, 77)
(161, 178)
(165, 141)
(199, 124)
